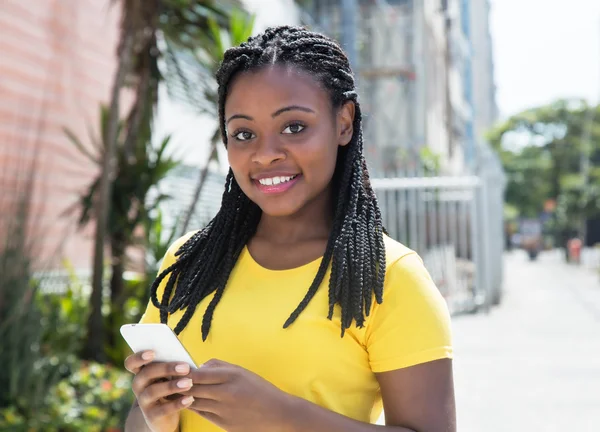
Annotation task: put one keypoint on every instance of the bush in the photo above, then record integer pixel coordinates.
(96, 398)
(26, 373)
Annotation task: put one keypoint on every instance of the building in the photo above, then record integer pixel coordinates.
(57, 65)
(424, 70)
(418, 78)
(483, 81)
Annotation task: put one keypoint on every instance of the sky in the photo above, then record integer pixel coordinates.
(545, 50)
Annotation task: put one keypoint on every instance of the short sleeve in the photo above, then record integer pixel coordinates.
(412, 325)
(152, 314)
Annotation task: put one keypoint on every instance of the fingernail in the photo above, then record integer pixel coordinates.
(148, 355)
(187, 400)
(184, 383)
(182, 368)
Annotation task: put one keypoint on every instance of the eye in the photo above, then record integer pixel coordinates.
(243, 135)
(294, 128)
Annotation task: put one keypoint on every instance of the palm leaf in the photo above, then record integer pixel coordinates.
(81, 147)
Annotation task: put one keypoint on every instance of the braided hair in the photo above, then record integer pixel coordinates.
(355, 248)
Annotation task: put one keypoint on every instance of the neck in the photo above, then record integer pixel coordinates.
(311, 222)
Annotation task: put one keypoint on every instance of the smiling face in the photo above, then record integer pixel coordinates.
(283, 137)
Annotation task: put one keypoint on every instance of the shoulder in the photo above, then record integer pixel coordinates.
(395, 251)
(171, 255)
(412, 324)
(406, 277)
(404, 267)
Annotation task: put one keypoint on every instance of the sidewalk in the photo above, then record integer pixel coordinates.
(533, 363)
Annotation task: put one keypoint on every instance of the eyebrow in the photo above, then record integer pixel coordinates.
(275, 114)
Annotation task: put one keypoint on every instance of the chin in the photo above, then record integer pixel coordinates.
(279, 209)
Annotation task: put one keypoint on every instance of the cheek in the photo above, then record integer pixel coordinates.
(322, 154)
(235, 159)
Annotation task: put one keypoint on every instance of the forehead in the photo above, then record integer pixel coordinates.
(273, 87)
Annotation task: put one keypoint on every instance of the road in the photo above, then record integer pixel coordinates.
(533, 363)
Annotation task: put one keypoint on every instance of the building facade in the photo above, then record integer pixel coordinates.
(419, 66)
(57, 65)
(483, 81)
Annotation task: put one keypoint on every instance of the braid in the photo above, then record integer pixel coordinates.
(355, 250)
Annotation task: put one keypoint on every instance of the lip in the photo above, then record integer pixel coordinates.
(278, 188)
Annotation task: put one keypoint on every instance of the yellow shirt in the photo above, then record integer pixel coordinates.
(310, 359)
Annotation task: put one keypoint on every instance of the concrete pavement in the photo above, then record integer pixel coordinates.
(533, 363)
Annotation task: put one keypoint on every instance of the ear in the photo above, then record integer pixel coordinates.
(345, 122)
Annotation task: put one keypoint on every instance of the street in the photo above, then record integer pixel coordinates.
(533, 363)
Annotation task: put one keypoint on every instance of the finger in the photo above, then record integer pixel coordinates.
(136, 361)
(155, 371)
(155, 392)
(211, 375)
(215, 392)
(168, 408)
(202, 406)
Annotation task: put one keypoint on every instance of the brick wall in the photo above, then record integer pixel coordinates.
(57, 59)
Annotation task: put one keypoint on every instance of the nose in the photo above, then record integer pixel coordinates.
(268, 151)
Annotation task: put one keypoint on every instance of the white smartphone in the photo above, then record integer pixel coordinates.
(158, 338)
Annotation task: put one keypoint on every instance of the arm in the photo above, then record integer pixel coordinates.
(408, 338)
(416, 399)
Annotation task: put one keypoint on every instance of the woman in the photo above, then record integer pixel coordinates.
(304, 315)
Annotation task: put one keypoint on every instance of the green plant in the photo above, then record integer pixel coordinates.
(26, 373)
(63, 318)
(94, 398)
(130, 204)
(147, 32)
(207, 60)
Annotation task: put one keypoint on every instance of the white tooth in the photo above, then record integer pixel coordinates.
(269, 182)
(276, 180)
(286, 179)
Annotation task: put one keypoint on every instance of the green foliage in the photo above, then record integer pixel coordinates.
(430, 161)
(132, 200)
(190, 67)
(94, 398)
(136, 177)
(201, 68)
(136, 293)
(158, 241)
(63, 316)
(541, 150)
(26, 373)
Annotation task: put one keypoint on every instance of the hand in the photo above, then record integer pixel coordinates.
(236, 399)
(158, 388)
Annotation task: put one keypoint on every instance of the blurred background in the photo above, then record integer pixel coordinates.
(482, 124)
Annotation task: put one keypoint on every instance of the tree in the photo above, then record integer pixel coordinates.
(131, 201)
(239, 30)
(542, 150)
(149, 30)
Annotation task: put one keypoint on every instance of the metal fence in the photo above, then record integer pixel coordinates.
(456, 225)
